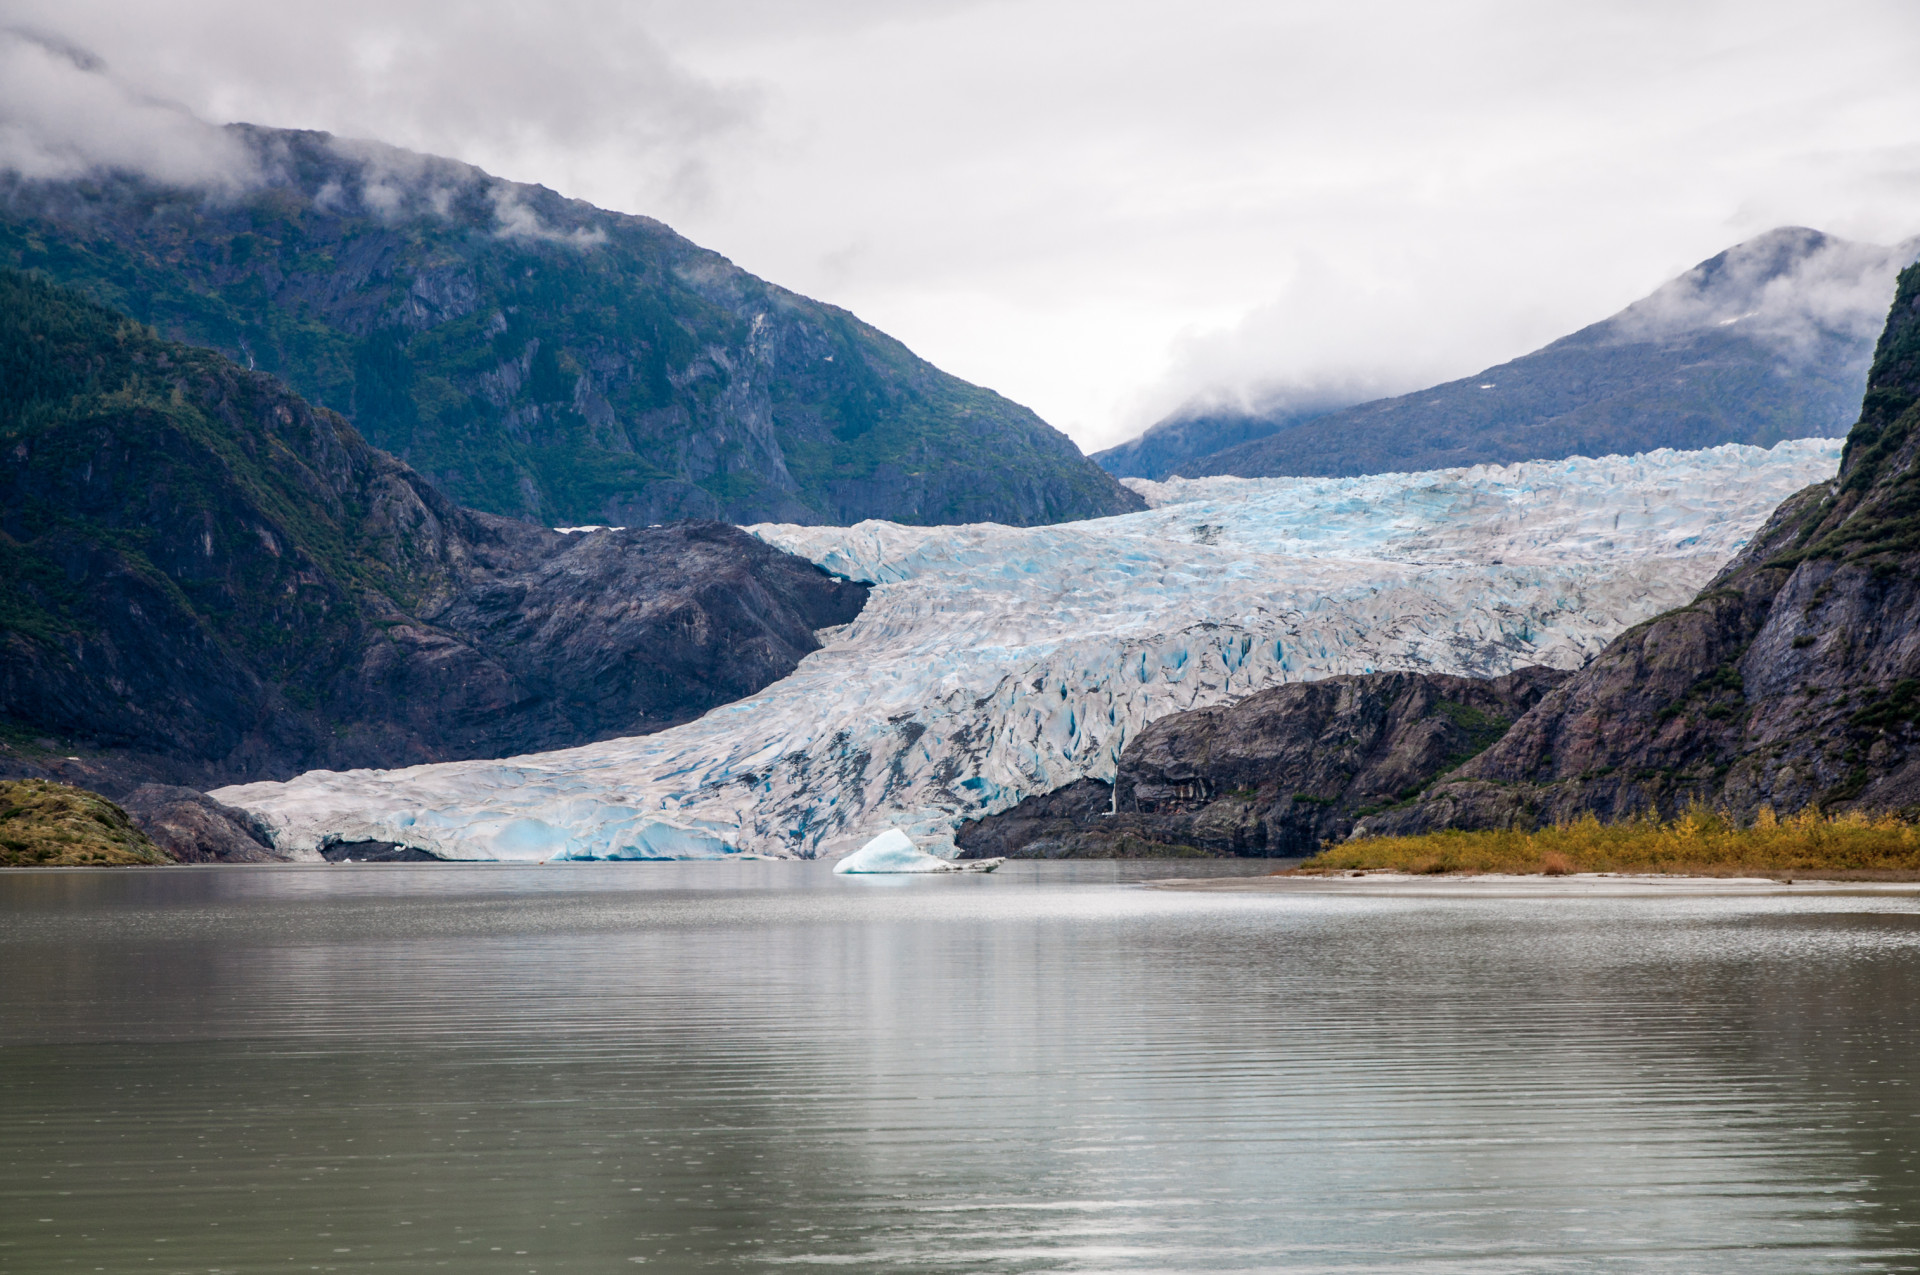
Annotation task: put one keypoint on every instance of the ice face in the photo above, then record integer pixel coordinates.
(992, 663)
(891, 851)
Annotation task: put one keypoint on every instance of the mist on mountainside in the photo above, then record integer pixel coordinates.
(1768, 340)
(534, 356)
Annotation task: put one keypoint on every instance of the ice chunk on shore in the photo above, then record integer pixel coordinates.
(996, 662)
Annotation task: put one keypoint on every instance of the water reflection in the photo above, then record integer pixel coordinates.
(745, 1065)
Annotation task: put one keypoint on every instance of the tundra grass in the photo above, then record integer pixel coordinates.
(1698, 843)
(51, 825)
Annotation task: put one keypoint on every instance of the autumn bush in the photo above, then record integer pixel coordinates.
(1701, 842)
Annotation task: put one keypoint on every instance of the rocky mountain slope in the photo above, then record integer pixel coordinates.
(541, 358)
(1768, 340)
(1272, 775)
(1792, 680)
(205, 578)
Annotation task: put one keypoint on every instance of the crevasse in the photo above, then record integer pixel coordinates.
(996, 662)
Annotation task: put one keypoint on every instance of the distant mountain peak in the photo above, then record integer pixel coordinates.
(1788, 287)
(1765, 341)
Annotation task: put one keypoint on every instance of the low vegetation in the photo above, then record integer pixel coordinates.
(49, 825)
(1701, 842)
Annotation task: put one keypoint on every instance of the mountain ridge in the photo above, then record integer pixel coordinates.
(541, 358)
(1770, 339)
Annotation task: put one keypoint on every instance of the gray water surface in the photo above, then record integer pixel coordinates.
(724, 1066)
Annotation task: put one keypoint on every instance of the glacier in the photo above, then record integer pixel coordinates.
(992, 663)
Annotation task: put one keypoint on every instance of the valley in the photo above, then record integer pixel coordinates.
(992, 663)
(570, 699)
(218, 584)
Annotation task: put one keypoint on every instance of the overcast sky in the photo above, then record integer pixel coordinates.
(1107, 209)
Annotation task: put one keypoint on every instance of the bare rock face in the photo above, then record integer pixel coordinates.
(1273, 775)
(1793, 680)
(549, 640)
(192, 827)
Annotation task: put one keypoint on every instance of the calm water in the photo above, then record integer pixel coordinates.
(746, 1066)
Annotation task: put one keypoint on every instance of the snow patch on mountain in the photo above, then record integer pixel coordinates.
(993, 662)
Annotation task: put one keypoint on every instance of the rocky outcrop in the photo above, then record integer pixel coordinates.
(541, 358)
(376, 852)
(1793, 680)
(1273, 775)
(207, 579)
(192, 827)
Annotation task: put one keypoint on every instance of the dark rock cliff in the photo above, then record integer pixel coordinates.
(205, 579)
(1273, 775)
(1793, 680)
(541, 358)
(192, 827)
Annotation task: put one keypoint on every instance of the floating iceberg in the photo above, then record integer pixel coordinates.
(894, 851)
(996, 662)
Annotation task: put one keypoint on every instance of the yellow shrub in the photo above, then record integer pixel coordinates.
(1701, 841)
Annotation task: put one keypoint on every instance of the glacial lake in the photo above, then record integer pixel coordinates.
(746, 1066)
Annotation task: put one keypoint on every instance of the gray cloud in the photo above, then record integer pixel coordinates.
(63, 114)
(1103, 210)
(1787, 289)
(517, 221)
(542, 93)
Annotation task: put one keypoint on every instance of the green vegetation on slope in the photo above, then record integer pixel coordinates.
(200, 567)
(538, 357)
(1875, 513)
(149, 430)
(189, 555)
(50, 825)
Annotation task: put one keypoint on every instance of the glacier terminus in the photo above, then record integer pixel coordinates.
(992, 662)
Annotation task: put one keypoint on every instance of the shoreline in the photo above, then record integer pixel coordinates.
(1571, 883)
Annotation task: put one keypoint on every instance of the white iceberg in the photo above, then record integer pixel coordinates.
(894, 851)
(992, 662)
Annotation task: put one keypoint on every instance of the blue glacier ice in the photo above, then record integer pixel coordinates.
(894, 851)
(996, 662)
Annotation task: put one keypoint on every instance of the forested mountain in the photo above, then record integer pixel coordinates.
(1768, 340)
(204, 578)
(541, 358)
